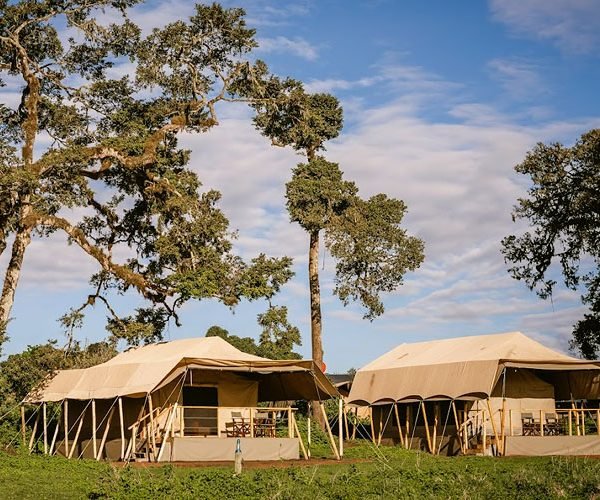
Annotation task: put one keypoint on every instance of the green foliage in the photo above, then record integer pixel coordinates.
(278, 336)
(115, 155)
(317, 193)
(562, 209)
(389, 473)
(372, 250)
(245, 344)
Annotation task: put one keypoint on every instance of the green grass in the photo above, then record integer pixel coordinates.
(393, 473)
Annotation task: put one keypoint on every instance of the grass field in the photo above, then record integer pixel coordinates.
(389, 473)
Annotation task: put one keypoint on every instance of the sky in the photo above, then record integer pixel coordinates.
(441, 100)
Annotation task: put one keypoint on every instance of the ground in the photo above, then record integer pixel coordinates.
(367, 472)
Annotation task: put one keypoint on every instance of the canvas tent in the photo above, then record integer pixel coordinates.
(502, 375)
(155, 383)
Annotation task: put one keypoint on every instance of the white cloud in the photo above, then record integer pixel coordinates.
(284, 45)
(519, 78)
(572, 25)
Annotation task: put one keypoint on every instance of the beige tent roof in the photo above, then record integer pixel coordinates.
(454, 368)
(141, 370)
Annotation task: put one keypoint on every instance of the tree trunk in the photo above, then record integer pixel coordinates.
(13, 271)
(315, 314)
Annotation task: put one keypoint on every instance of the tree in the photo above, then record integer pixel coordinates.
(114, 156)
(372, 251)
(278, 336)
(562, 208)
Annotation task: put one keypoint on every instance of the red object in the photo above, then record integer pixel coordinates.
(323, 366)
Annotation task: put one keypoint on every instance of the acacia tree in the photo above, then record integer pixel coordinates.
(372, 251)
(113, 153)
(562, 208)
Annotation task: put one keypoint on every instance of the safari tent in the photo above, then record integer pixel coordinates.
(188, 399)
(503, 394)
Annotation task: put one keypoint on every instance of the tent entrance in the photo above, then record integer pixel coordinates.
(201, 410)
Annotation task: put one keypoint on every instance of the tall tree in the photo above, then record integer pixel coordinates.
(562, 208)
(113, 153)
(372, 251)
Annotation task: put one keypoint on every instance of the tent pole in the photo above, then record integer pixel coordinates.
(426, 426)
(346, 427)
(400, 436)
(45, 423)
(328, 427)
(493, 423)
(380, 434)
(308, 432)
(340, 425)
(94, 443)
(502, 424)
(436, 415)
(54, 437)
(122, 428)
(23, 427)
(66, 424)
(167, 427)
(295, 424)
(151, 437)
(105, 435)
(372, 426)
(74, 444)
(458, 429)
(35, 425)
(407, 429)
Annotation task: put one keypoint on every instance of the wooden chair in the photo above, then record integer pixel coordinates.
(552, 426)
(264, 425)
(238, 427)
(529, 426)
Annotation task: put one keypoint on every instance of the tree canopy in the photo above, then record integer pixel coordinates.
(91, 152)
(562, 208)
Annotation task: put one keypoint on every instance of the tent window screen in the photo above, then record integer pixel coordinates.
(198, 419)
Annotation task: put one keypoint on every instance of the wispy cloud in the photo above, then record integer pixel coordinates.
(572, 25)
(284, 45)
(520, 79)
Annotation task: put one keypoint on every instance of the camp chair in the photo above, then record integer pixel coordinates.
(530, 428)
(552, 425)
(264, 425)
(239, 427)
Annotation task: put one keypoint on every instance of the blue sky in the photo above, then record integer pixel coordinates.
(441, 100)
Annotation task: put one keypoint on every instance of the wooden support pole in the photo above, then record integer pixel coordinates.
(346, 426)
(251, 422)
(570, 415)
(541, 422)
(295, 424)
(122, 428)
(407, 429)
(399, 424)
(503, 425)
(372, 425)
(105, 434)
(380, 434)
(73, 446)
(459, 429)
(355, 423)
(167, 427)
(329, 433)
(308, 433)
(598, 422)
(56, 428)
(436, 415)
(66, 424)
(152, 438)
(23, 426)
(340, 426)
(94, 443)
(510, 422)
(33, 432)
(484, 432)
(290, 425)
(45, 424)
(429, 445)
(493, 424)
